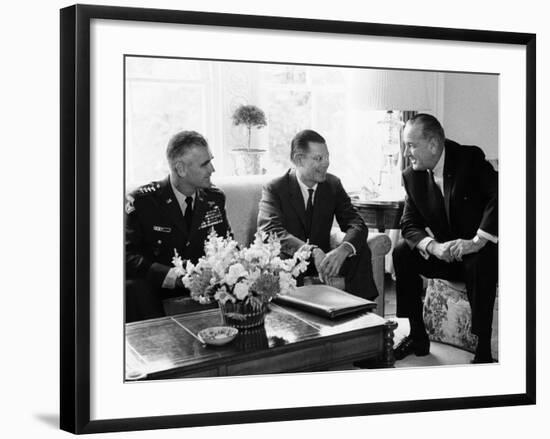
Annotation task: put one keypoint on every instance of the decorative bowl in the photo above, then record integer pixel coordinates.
(218, 335)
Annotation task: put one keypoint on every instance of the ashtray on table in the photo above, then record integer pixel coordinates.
(218, 335)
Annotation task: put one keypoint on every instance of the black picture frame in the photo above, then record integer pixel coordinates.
(75, 217)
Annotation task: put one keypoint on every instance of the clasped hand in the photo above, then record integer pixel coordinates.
(454, 250)
(328, 264)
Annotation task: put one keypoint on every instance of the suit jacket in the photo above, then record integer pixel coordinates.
(155, 227)
(470, 198)
(282, 211)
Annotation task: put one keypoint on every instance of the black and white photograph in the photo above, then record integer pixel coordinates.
(300, 218)
(293, 204)
(274, 219)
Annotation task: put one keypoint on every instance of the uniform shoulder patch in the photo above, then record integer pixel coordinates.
(140, 193)
(129, 204)
(146, 189)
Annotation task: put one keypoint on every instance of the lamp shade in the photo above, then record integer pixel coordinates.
(402, 90)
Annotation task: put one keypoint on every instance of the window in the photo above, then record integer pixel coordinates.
(164, 96)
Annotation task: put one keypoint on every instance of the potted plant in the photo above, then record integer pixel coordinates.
(247, 160)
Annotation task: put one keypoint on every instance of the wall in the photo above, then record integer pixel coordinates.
(470, 110)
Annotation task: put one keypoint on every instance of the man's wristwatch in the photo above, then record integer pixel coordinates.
(478, 240)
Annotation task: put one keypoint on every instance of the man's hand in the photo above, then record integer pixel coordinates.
(331, 264)
(460, 247)
(318, 257)
(441, 250)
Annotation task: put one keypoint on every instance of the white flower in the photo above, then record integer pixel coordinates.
(299, 268)
(286, 282)
(256, 255)
(223, 296)
(283, 264)
(177, 261)
(187, 280)
(225, 268)
(235, 272)
(189, 267)
(241, 290)
(254, 274)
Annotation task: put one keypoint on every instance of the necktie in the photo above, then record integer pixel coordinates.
(309, 212)
(188, 216)
(438, 196)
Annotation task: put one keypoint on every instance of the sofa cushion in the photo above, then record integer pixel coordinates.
(243, 195)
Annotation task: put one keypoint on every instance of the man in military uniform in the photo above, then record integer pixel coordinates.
(176, 213)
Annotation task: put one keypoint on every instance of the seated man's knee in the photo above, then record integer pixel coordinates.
(141, 302)
(364, 254)
(401, 252)
(135, 284)
(485, 261)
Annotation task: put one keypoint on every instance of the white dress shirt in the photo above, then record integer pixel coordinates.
(171, 277)
(438, 178)
(305, 195)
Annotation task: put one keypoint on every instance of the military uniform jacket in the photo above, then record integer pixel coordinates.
(470, 198)
(155, 226)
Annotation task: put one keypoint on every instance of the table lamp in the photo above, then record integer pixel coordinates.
(399, 93)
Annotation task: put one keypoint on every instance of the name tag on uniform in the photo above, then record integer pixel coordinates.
(162, 229)
(212, 217)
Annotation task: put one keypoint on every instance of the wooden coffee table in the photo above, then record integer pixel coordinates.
(290, 341)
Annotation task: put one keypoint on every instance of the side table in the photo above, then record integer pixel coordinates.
(380, 214)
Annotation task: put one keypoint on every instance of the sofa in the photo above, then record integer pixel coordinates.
(243, 195)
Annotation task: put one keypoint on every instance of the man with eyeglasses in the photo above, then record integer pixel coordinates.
(300, 207)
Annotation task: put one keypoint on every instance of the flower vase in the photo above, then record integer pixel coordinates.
(242, 316)
(250, 340)
(248, 161)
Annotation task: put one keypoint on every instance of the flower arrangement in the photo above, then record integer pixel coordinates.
(251, 276)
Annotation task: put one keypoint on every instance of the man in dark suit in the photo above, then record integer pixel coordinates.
(301, 206)
(450, 230)
(176, 213)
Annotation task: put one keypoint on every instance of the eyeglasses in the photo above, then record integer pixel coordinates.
(318, 158)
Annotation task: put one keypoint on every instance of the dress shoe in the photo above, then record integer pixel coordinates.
(409, 346)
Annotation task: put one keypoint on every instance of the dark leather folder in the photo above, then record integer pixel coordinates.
(325, 301)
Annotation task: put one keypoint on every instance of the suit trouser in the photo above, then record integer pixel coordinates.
(478, 270)
(357, 273)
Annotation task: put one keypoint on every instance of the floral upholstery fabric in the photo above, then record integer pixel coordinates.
(448, 316)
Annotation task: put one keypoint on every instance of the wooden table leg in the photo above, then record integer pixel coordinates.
(388, 359)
